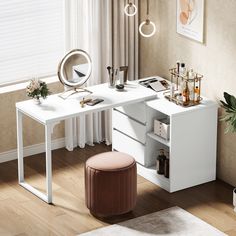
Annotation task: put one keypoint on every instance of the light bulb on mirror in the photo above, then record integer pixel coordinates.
(128, 6)
(147, 22)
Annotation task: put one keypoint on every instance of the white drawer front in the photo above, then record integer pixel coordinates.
(128, 126)
(136, 111)
(122, 143)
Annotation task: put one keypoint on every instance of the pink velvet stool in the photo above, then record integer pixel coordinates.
(110, 184)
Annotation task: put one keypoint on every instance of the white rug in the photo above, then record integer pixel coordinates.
(172, 221)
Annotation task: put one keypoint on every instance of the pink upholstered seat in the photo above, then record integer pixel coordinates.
(111, 183)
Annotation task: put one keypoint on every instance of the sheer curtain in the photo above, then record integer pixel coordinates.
(125, 38)
(100, 28)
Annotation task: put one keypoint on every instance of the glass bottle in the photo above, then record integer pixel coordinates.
(186, 95)
(167, 166)
(182, 72)
(197, 94)
(161, 162)
(191, 76)
(182, 69)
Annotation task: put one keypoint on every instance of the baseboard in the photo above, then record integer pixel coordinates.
(31, 150)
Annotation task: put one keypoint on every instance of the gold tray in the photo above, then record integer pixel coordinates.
(178, 102)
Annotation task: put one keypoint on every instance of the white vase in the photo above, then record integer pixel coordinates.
(234, 199)
(37, 101)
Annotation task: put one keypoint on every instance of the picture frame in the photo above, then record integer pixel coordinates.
(190, 19)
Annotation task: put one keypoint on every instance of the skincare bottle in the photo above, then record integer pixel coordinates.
(191, 76)
(186, 93)
(179, 98)
(177, 67)
(172, 90)
(182, 73)
(197, 94)
(182, 69)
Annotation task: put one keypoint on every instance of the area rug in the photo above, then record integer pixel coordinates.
(172, 221)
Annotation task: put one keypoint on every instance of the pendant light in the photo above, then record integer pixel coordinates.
(129, 6)
(147, 22)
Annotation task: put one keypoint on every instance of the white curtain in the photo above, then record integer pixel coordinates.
(125, 38)
(100, 28)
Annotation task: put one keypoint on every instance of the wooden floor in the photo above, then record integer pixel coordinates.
(21, 213)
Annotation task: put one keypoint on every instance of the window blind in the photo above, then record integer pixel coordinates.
(31, 38)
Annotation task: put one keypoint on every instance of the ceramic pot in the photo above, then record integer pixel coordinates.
(37, 101)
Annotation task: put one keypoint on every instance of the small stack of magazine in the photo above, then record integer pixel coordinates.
(158, 84)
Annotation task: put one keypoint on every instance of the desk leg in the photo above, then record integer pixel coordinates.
(48, 162)
(45, 197)
(20, 146)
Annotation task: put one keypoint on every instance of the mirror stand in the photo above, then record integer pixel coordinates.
(64, 95)
(73, 71)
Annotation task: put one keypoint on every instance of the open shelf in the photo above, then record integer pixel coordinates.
(150, 173)
(159, 139)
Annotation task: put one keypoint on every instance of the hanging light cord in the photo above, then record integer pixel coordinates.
(147, 20)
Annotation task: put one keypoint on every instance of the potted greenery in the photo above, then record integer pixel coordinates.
(230, 118)
(37, 89)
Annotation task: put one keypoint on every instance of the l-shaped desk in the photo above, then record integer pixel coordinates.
(191, 146)
(54, 109)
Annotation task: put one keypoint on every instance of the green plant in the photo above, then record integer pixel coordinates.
(37, 89)
(230, 108)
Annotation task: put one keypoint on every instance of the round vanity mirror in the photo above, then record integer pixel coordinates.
(75, 68)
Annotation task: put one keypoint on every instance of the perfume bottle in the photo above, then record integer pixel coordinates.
(186, 93)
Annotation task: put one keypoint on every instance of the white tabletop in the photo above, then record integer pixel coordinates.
(171, 109)
(54, 108)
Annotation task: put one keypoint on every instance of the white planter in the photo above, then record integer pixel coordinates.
(234, 199)
(37, 101)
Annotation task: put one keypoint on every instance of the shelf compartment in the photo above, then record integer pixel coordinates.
(159, 139)
(151, 175)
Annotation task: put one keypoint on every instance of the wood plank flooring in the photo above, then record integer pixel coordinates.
(22, 214)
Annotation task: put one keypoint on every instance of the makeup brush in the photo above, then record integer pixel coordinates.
(109, 70)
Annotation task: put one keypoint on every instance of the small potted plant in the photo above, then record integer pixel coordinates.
(230, 118)
(37, 89)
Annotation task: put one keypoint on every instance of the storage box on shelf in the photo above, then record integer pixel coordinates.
(191, 144)
(161, 128)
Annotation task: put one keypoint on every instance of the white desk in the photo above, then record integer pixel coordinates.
(54, 109)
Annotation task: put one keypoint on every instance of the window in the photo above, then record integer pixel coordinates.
(31, 38)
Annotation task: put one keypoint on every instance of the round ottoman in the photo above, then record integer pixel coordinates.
(110, 184)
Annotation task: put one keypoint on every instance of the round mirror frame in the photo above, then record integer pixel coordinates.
(61, 68)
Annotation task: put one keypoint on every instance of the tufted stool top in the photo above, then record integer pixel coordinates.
(110, 161)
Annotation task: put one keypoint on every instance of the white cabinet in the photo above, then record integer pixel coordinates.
(191, 144)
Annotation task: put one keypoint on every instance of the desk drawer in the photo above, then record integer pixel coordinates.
(129, 126)
(123, 143)
(136, 111)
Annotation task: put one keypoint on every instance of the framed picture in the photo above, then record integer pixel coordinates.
(190, 19)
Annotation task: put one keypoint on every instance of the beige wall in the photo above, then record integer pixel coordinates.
(33, 131)
(215, 59)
